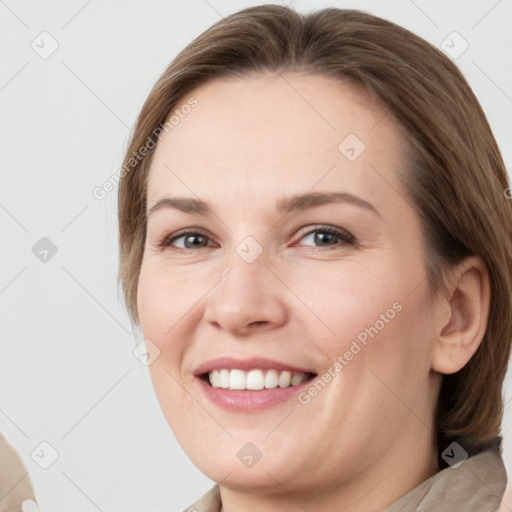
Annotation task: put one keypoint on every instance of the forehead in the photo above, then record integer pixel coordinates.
(266, 135)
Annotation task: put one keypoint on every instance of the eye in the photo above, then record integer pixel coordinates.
(327, 236)
(319, 236)
(190, 239)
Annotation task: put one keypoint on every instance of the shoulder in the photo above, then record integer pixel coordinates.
(15, 484)
(475, 484)
(208, 502)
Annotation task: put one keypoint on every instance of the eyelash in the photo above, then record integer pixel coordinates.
(342, 234)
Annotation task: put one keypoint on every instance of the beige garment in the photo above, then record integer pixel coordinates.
(477, 485)
(15, 485)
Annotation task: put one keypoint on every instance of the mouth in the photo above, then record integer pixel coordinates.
(251, 384)
(255, 380)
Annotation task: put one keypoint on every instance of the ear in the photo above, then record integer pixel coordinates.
(462, 315)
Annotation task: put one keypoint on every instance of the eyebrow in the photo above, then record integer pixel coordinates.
(285, 205)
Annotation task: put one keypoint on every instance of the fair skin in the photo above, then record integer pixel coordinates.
(367, 438)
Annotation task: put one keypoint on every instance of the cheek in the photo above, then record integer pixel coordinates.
(163, 306)
(150, 303)
(164, 300)
(346, 298)
(379, 366)
(370, 316)
(171, 306)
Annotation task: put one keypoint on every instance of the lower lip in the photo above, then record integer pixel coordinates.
(248, 400)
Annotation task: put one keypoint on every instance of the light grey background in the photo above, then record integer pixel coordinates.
(67, 372)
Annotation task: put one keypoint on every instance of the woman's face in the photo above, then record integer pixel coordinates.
(279, 239)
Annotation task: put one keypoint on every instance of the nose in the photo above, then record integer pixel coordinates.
(248, 299)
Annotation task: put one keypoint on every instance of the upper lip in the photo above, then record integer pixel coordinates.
(252, 363)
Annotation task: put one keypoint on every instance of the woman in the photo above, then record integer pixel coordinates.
(315, 240)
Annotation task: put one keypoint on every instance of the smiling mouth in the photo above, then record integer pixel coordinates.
(254, 380)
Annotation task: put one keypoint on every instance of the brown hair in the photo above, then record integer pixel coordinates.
(456, 177)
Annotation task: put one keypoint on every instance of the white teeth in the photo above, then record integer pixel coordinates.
(215, 379)
(255, 379)
(237, 379)
(224, 379)
(271, 379)
(285, 379)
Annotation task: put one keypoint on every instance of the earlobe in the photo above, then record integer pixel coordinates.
(467, 302)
